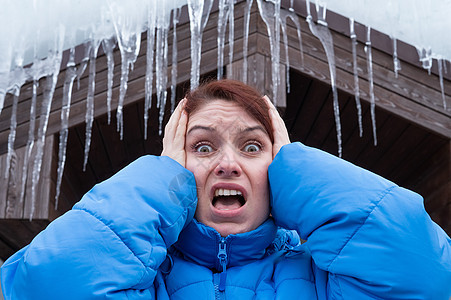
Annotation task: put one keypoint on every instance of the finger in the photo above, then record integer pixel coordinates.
(180, 133)
(280, 131)
(171, 126)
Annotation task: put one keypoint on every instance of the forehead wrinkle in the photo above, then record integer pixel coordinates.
(200, 127)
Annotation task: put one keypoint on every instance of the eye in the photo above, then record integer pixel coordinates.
(252, 148)
(204, 148)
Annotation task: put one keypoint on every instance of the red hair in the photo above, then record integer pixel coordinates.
(244, 95)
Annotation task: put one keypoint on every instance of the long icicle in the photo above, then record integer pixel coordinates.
(231, 33)
(6, 49)
(294, 17)
(222, 22)
(322, 32)
(247, 16)
(54, 58)
(128, 35)
(32, 122)
(30, 141)
(71, 74)
(270, 13)
(161, 64)
(369, 62)
(356, 75)
(108, 46)
(18, 80)
(283, 23)
(151, 19)
(89, 117)
(175, 21)
(199, 11)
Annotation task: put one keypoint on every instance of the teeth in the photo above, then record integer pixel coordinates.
(226, 192)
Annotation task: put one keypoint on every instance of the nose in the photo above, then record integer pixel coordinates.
(228, 166)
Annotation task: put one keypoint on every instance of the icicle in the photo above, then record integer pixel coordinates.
(89, 118)
(396, 61)
(425, 58)
(128, 33)
(322, 32)
(54, 57)
(12, 129)
(294, 17)
(71, 73)
(84, 62)
(161, 63)
(108, 46)
(5, 67)
(270, 13)
(175, 21)
(18, 79)
(356, 75)
(369, 61)
(283, 22)
(231, 32)
(199, 11)
(30, 141)
(151, 15)
(32, 122)
(222, 23)
(247, 15)
(442, 87)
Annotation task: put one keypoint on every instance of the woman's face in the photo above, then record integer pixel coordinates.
(229, 153)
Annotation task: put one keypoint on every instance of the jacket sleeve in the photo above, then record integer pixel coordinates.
(110, 245)
(372, 237)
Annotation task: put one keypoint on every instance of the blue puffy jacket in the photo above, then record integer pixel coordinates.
(134, 237)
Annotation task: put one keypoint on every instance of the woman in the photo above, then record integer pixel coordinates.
(228, 162)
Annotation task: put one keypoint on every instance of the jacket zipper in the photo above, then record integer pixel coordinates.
(221, 277)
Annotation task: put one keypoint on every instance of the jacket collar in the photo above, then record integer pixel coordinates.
(200, 244)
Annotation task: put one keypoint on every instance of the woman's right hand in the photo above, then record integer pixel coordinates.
(280, 131)
(174, 135)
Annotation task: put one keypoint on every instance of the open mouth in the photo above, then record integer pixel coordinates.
(225, 199)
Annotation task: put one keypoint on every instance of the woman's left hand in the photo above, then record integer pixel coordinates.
(280, 131)
(174, 135)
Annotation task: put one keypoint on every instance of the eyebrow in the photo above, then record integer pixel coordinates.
(249, 129)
